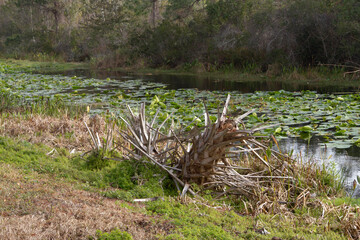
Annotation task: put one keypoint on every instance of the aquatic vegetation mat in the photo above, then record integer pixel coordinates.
(333, 117)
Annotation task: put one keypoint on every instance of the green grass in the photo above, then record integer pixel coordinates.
(33, 157)
(128, 179)
(196, 221)
(344, 200)
(114, 235)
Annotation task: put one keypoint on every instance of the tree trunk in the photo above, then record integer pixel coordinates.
(154, 12)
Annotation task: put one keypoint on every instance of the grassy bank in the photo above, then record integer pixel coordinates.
(49, 189)
(42, 66)
(319, 76)
(312, 76)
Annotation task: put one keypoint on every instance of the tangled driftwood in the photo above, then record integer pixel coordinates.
(222, 156)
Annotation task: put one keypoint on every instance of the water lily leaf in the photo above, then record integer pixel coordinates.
(340, 132)
(338, 118)
(305, 129)
(278, 130)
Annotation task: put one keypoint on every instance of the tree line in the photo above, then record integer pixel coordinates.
(209, 34)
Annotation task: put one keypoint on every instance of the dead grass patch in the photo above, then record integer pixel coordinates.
(41, 208)
(52, 131)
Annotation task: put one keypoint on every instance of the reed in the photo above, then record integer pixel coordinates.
(47, 106)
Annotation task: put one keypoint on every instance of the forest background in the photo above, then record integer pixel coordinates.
(208, 35)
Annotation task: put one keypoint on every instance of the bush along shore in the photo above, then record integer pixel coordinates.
(135, 174)
(255, 35)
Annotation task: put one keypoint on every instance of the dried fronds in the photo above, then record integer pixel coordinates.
(221, 156)
(96, 143)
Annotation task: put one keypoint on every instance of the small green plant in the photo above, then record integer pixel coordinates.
(138, 180)
(96, 160)
(115, 234)
(98, 157)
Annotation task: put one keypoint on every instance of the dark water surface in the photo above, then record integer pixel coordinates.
(242, 84)
(347, 161)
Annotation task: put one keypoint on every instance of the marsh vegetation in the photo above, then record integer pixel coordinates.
(47, 154)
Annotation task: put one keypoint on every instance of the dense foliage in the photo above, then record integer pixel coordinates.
(207, 35)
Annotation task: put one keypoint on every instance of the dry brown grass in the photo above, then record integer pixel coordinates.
(54, 132)
(348, 217)
(41, 208)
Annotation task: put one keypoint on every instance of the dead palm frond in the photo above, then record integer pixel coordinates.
(222, 156)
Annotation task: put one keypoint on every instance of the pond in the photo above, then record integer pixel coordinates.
(242, 84)
(319, 122)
